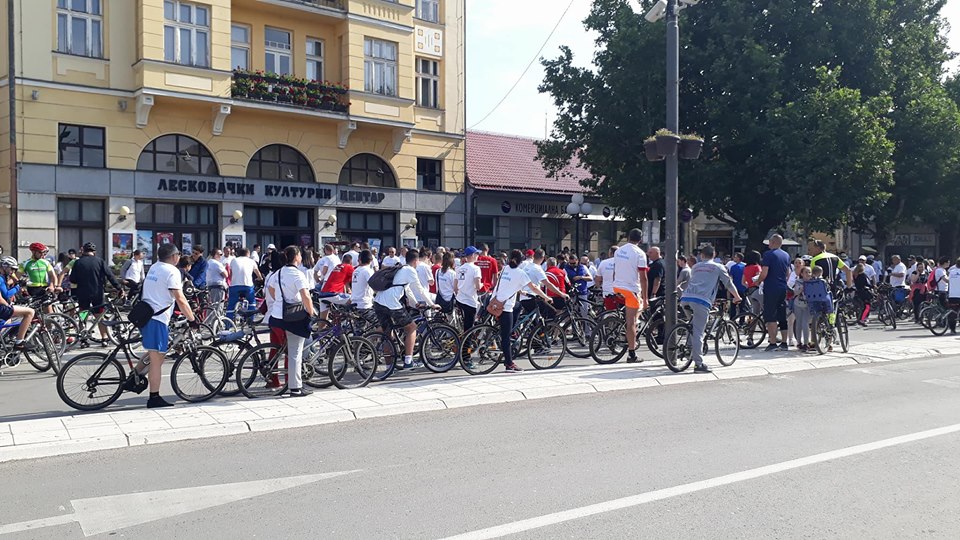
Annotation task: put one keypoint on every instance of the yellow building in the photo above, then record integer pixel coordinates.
(247, 121)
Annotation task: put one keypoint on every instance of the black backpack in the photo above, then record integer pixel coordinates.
(382, 279)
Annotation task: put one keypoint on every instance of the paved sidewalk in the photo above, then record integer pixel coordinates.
(102, 430)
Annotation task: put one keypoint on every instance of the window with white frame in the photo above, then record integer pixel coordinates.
(277, 50)
(186, 33)
(314, 59)
(80, 27)
(240, 46)
(380, 67)
(428, 10)
(428, 83)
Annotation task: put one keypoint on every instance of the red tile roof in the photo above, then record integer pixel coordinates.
(508, 163)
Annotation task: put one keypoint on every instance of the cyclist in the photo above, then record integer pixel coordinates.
(8, 268)
(538, 277)
(40, 275)
(605, 278)
(953, 292)
(698, 297)
(87, 281)
(391, 314)
(467, 286)
(133, 272)
(216, 276)
(161, 290)
(198, 270)
(831, 264)
(360, 293)
(630, 282)
(511, 281)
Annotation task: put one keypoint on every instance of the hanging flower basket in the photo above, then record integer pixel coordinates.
(667, 142)
(690, 147)
(650, 149)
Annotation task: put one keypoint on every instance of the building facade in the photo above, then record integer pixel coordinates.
(233, 121)
(514, 205)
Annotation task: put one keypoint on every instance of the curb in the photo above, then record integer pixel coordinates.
(137, 428)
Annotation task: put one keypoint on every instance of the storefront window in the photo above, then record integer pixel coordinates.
(177, 154)
(367, 170)
(185, 225)
(286, 227)
(428, 229)
(80, 221)
(370, 227)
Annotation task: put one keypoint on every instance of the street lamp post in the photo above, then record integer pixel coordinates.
(577, 209)
(669, 9)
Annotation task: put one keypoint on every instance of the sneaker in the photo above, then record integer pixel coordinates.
(405, 366)
(862, 323)
(633, 358)
(468, 364)
(418, 365)
(802, 348)
(771, 347)
(702, 368)
(783, 346)
(512, 367)
(24, 346)
(300, 392)
(156, 402)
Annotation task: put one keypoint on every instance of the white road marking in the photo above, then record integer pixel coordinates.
(686, 489)
(114, 512)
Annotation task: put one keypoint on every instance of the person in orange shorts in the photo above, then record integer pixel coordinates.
(630, 282)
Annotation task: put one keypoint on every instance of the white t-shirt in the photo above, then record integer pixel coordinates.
(135, 271)
(241, 271)
(895, 281)
(954, 277)
(354, 258)
(327, 261)
(271, 281)
(396, 260)
(627, 260)
(536, 274)
(943, 283)
(216, 273)
(467, 276)
(308, 275)
(156, 289)
(606, 274)
(871, 273)
(360, 293)
(290, 282)
(390, 298)
(445, 281)
(425, 274)
(255, 257)
(511, 281)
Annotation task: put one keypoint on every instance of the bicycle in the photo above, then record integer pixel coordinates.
(724, 334)
(938, 318)
(608, 343)
(542, 341)
(437, 344)
(94, 380)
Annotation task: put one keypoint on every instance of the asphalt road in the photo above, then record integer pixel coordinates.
(646, 463)
(26, 394)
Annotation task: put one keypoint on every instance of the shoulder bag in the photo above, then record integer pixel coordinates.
(292, 312)
(495, 306)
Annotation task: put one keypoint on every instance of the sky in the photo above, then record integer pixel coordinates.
(503, 36)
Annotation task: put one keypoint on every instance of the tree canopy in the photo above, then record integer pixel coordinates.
(820, 113)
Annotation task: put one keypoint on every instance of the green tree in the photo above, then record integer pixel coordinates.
(779, 134)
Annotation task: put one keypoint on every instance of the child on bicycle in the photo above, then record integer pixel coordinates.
(801, 311)
(818, 296)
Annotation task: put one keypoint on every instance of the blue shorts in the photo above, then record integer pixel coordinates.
(6, 312)
(156, 336)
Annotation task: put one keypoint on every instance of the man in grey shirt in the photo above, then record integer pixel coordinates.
(698, 298)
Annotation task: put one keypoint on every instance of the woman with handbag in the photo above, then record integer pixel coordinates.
(512, 281)
(291, 310)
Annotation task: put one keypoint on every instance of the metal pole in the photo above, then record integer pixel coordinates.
(12, 87)
(673, 124)
(576, 235)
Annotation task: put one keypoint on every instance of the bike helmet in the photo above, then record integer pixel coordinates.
(9, 262)
(88, 247)
(37, 246)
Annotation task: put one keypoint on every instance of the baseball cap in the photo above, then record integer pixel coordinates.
(470, 250)
(862, 258)
(271, 246)
(529, 253)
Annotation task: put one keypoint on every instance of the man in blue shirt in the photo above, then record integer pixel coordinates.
(736, 274)
(775, 269)
(198, 272)
(581, 279)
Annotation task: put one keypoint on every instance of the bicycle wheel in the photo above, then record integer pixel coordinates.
(387, 352)
(354, 368)
(58, 336)
(678, 353)
(578, 333)
(262, 371)
(609, 342)
(480, 351)
(938, 326)
(928, 316)
(70, 327)
(886, 315)
(726, 343)
(843, 332)
(39, 357)
(316, 374)
(822, 334)
(91, 381)
(654, 335)
(546, 346)
(198, 375)
(232, 352)
(440, 347)
(754, 332)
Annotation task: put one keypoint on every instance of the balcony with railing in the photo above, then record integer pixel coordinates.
(290, 92)
(338, 5)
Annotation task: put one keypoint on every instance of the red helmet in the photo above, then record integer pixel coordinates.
(37, 246)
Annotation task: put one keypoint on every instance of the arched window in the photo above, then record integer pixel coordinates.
(177, 154)
(280, 162)
(367, 170)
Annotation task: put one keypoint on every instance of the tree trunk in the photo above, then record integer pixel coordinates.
(948, 236)
(756, 234)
